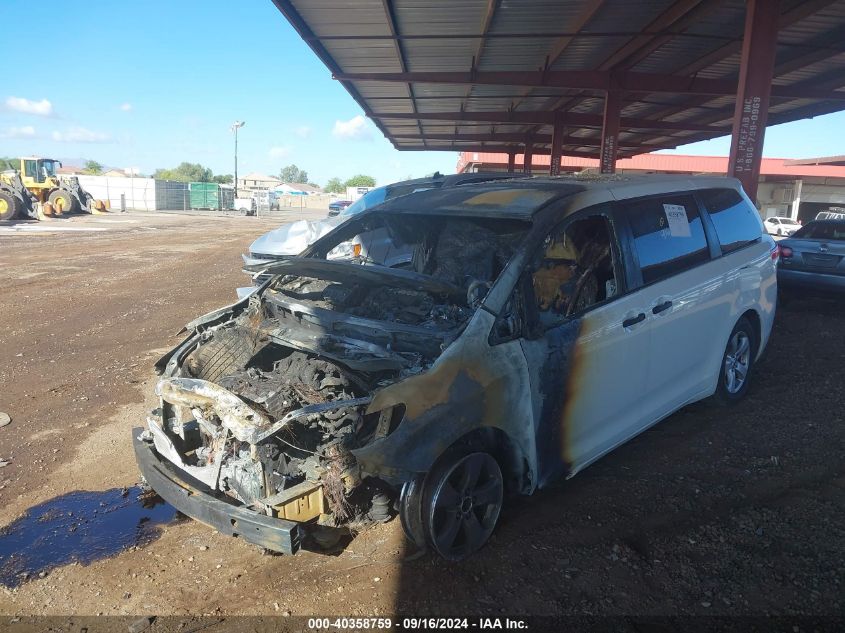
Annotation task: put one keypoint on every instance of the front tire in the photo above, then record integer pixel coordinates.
(63, 202)
(462, 501)
(737, 364)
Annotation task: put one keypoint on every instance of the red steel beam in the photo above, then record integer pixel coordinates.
(527, 157)
(677, 11)
(678, 16)
(589, 80)
(400, 53)
(752, 100)
(499, 149)
(610, 133)
(575, 119)
(560, 45)
(492, 5)
(516, 137)
(557, 145)
(800, 12)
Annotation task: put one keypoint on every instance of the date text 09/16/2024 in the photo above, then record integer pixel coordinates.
(416, 624)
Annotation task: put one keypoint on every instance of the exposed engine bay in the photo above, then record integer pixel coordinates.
(268, 402)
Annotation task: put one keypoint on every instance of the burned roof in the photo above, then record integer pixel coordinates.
(485, 75)
(516, 199)
(520, 198)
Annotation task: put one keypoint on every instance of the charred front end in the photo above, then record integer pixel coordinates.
(263, 406)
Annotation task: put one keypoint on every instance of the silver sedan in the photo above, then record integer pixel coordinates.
(813, 259)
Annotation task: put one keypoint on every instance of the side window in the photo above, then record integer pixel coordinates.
(574, 269)
(29, 168)
(668, 235)
(735, 221)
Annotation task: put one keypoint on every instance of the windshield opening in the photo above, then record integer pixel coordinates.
(369, 199)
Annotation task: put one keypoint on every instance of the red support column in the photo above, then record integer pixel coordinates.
(752, 98)
(610, 132)
(511, 162)
(527, 157)
(557, 146)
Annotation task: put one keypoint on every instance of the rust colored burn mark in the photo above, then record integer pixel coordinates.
(572, 390)
(454, 398)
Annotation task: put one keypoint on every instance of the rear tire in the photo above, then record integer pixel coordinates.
(8, 206)
(737, 364)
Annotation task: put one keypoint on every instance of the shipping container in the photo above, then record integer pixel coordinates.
(140, 194)
(205, 195)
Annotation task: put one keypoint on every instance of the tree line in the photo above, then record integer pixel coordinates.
(292, 173)
(195, 172)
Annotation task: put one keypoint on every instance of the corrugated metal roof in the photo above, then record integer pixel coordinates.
(681, 38)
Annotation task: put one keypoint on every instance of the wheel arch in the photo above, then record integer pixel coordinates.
(754, 319)
(493, 440)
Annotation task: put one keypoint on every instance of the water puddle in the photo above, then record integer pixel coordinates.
(79, 527)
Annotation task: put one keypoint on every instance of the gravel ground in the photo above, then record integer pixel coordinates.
(715, 511)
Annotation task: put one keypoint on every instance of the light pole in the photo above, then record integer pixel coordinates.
(235, 127)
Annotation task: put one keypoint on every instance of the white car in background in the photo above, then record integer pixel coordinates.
(781, 226)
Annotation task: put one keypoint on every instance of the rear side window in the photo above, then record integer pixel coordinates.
(668, 236)
(736, 222)
(826, 230)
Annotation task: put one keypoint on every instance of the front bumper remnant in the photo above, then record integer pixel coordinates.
(197, 502)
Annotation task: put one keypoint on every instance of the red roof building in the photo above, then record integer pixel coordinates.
(788, 187)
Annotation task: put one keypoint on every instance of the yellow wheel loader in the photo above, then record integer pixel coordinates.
(15, 200)
(57, 195)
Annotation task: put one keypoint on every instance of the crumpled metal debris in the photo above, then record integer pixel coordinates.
(245, 422)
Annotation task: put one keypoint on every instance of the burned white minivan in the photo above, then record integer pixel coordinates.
(543, 323)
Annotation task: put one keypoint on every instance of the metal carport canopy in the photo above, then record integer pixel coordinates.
(530, 76)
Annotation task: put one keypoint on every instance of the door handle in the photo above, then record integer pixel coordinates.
(661, 307)
(634, 320)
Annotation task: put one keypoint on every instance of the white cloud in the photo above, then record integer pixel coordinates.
(25, 131)
(303, 131)
(126, 107)
(356, 129)
(81, 135)
(279, 152)
(19, 104)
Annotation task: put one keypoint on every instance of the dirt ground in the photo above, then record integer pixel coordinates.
(713, 511)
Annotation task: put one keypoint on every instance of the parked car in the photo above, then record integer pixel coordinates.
(813, 260)
(781, 226)
(834, 213)
(544, 322)
(246, 206)
(337, 206)
(291, 239)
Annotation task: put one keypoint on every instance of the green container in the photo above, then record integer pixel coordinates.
(205, 195)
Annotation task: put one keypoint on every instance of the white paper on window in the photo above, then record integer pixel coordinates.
(676, 216)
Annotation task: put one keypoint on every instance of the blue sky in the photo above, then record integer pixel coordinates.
(151, 84)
